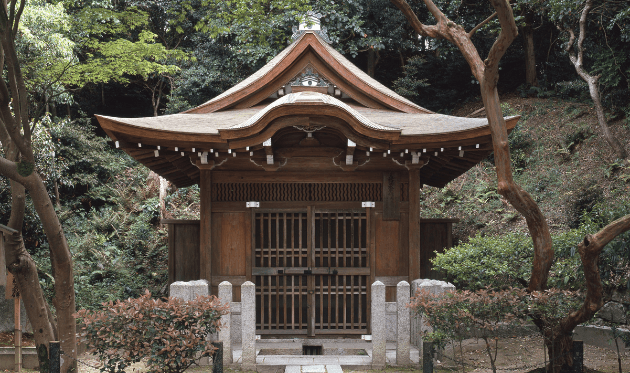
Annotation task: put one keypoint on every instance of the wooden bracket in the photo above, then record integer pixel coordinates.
(349, 167)
(350, 152)
(410, 165)
(268, 151)
(209, 165)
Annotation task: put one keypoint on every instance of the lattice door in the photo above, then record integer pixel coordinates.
(311, 270)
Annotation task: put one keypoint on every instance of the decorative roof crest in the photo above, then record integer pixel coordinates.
(309, 78)
(311, 22)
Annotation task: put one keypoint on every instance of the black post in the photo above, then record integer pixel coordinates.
(578, 356)
(427, 357)
(217, 358)
(55, 363)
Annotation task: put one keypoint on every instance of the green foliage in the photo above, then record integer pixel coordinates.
(109, 211)
(170, 334)
(408, 86)
(506, 260)
(261, 18)
(520, 148)
(552, 305)
(488, 261)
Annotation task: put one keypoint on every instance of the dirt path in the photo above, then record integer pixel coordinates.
(524, 354)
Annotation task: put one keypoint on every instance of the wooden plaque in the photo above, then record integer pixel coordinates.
(391, 196)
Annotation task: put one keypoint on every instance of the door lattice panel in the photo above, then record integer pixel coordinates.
(311, 271)
(281, 241)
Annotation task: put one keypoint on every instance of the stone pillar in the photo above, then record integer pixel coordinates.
(378, 325)
(189, 290)
(248, 325)
(225, 333)
(434, 287)
(402, 339)
(416, 332)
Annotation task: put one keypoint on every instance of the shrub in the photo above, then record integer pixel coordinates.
(453, 315)
(171, 334)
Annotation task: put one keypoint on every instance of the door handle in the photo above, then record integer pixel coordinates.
(308, 272)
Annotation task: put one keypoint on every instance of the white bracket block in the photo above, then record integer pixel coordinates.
(252, 204)
(204, 158)
(368, 204)
(349, 159)
(269, 159)
(267, 142)
(415, 157)
(156, 153)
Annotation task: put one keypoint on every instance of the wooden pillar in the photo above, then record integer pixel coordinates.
(205, 222)
(414, 223)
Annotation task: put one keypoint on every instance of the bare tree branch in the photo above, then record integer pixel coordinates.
(508, 33)
(485, 21)
(16, 22)
(590, 249)
(424, 30)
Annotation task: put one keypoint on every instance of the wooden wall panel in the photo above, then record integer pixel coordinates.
(434, 238)
(186, 249)
(387, 246)
(231, 239)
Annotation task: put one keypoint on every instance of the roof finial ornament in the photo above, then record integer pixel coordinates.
(311, 22)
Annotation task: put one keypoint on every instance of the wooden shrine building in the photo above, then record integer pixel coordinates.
(310, 174)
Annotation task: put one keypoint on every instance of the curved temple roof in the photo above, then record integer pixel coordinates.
(259, 122)
(274, 68)
(379, 120)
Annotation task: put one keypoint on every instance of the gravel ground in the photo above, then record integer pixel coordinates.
(522, 354)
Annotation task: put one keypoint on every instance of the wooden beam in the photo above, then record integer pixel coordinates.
(205, 225)
(414, 223)
(297, 177)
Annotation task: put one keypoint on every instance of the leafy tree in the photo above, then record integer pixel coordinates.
(18, 164)
(557, 334)
(608, 64)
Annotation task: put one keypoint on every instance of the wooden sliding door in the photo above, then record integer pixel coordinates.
(311, 270)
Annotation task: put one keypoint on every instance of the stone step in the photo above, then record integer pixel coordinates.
(313, 369)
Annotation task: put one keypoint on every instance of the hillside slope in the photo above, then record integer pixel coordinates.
(558, 156)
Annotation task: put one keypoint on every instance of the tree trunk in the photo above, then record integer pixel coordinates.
(593, 88)
(576, 55)
(517, 196)
(57, 197)
(61, 261)
(531, 79)
(371, 60)
(162, 196)
(21, 265)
